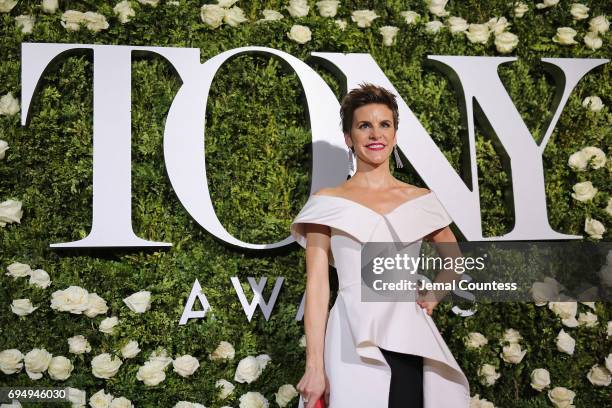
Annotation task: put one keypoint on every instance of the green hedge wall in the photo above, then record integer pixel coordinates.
(258, 155)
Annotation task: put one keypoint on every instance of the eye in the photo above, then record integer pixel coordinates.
(362, 125)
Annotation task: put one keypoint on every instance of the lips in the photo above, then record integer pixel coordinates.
(375, 146)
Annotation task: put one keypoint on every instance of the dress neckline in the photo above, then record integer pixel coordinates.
(381, 215)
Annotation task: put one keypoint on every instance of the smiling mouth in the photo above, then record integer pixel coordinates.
(375, 146)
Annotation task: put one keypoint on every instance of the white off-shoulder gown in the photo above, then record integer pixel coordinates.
(358, 374)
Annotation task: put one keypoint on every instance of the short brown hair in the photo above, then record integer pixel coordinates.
(364, 94)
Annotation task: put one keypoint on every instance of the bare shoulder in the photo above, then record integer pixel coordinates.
(330, 191)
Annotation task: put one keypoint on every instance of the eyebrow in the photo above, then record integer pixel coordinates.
(367, 121)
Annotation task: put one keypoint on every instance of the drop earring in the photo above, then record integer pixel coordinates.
(398, 161)
(350, 159)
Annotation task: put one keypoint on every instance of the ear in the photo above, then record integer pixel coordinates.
(348, 140)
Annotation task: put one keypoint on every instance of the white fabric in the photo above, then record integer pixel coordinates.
(358, 374)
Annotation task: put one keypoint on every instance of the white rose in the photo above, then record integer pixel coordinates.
(36, 362)
(94, 21)
(253, 400)
(271, 15)
(3, 148)
(105, 366)
(95, 305)
(540, 379)
(185, 365)
(139, 302)
(226, 3)
(411, 17)
(512, 353)
(594, 228)
(506, 42)
(78, 345)
(341, 24)
(599, 376)
(388, 33)
(592, 304)
(520, 9)
(72, 19)
(561, 397)
(565, 343)
(49, 6)
(488, 375)
(77, 397)
(234, 16)
(303, 341)
(183, 404)
(22, 307)
(566, 311)
(593, 103)
(599, 24)
(18, 270)
(587, 319)
(7, 5)
(73, 299)
(584, 191)
(498, 25)
(299, 33)
(151, 373)
(10, 211)
(597, 156)
(161, 357)
(434, 26)
(226, 388)
(328, 8)
(457, 25)
(609, 362)
(478, 33)
(9, 105)
(511, 336)
(592, 41)
(248, 370)
(364, 18)
(124, 11)
(578, 161)
(212, 15)
(224, 351)
(542, 292)
(60, 368)
(40, 278)
(475, 340)
(122, 402)
(130, 350)
(547, 3)
(579, 11)
(11, 361)
(100, 400)
(298, 8)
(149, 2)
(436, 7)
(263, 360)
(285, 393)
(25, 23)
(108, 325)
(565, 36)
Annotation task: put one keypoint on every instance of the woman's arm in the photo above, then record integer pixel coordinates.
(317, 292)
(314, 383)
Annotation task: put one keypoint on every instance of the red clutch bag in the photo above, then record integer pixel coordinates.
(320, 403)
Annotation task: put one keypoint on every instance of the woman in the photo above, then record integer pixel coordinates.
(372, 354)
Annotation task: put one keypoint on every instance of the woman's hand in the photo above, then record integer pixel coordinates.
(312, 386)
(427, 302)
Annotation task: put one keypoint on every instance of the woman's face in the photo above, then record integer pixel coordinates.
(372, 133)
